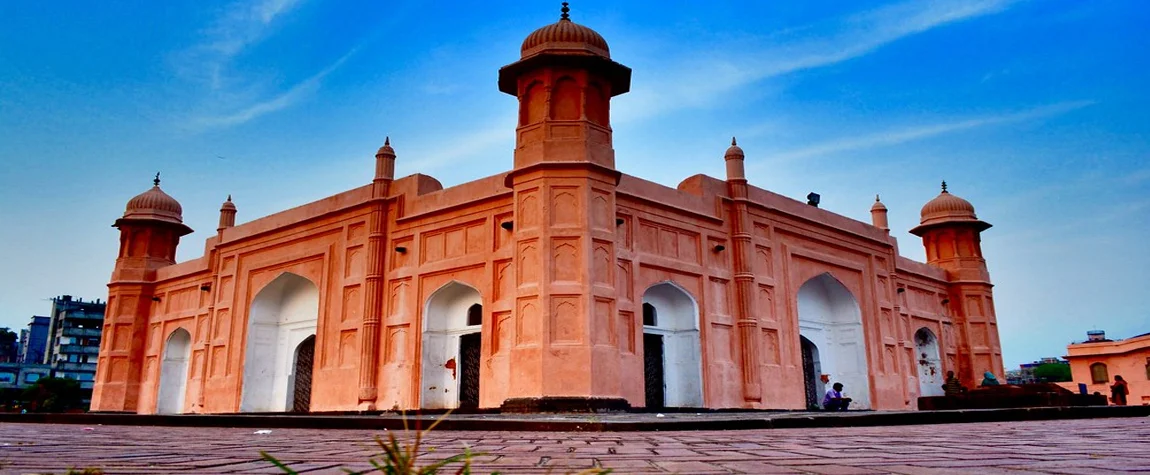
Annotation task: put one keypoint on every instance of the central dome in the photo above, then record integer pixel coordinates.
(565, 35)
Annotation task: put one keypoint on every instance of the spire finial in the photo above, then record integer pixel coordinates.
(229, 197)
(733, 143)
(944, 186)
(876, 200)
(156, 181)
(565, 10)
(387, 140)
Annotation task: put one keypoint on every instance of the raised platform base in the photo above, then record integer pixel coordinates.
(1011, 396)
(526, 405)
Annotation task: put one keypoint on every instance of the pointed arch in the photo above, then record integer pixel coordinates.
(566, 99)
(282, 315)
(830, 318)
(174, 372)
(451, 344)
(930, 379)
(672, 350)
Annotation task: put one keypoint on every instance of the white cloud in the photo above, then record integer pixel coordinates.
(908, 134)
(282, 101)
(713, 71)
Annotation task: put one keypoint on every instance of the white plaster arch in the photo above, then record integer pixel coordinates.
(677, 320)
(829, 316)
(282, 315)
(174, 373)
(930, 377)
(444, 322)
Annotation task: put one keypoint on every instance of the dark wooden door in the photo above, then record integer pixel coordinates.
(809, 383)
(653, 384)
(469, 354)
(304, 356)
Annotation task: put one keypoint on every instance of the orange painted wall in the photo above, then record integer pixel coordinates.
(1129, 358)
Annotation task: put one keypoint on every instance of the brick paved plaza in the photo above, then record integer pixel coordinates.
(1065, 446)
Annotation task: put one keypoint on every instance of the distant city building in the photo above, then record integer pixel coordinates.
(34, 340)
(1025, 373)
(1096, 361)
(74, 339)
(22, 375)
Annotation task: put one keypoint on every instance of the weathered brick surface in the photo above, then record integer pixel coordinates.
(1083, 446)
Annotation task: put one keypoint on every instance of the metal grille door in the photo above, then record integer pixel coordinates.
(304, 355)
(469, 354)
(653, 370)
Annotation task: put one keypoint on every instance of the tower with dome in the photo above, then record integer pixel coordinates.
(560, 284)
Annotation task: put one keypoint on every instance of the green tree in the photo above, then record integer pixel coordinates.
(53, 395)
(8, 339)
(1052, 372)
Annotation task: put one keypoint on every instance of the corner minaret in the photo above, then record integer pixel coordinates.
(951, 233)
(564, 80)
(150, 230)
(743, 253)
(374, 280)
(878, 215)
(227, 215)
(564, 181)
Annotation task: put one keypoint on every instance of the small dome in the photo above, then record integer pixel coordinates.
(947, 207)
(228, 205)
(154, 204)
(386, 149)
(877, 206)
(565, 35)
(734, 151)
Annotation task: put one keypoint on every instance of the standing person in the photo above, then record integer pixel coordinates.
(1118, 391)
(834, 400)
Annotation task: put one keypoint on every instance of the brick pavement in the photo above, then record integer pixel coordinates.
(1083, 446)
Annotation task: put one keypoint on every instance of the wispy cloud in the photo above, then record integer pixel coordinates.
(282, 101)
(240, 25)
(920, 132)
(706, 76)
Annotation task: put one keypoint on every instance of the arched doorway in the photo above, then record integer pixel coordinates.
(830, 319)
(301, 375)
(282, 316)
(930, 378)
(672, 358)
(452, 348)
(174, 373)
(813, 385)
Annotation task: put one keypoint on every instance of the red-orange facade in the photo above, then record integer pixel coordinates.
(561, 279)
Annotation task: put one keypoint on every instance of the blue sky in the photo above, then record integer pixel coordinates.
(1035, 111)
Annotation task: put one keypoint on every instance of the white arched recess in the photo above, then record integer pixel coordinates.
(677, 320)
(444, 322)
(282, 316)
(174, 373)
(830, 318)
(930, 378)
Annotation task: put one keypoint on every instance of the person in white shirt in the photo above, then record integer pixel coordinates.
(834, 400)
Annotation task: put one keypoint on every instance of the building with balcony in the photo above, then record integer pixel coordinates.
(73, 342)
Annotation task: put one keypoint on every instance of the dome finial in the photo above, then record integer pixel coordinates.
(156, 181)
(876, 200)
(733, 143)
(229, 197)
(565, 10)
(944, 186)
(387, 140)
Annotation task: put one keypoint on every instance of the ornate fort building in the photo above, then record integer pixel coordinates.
(559, 282)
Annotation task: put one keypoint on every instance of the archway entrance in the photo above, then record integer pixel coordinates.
(830, 319)
(813, 384)
(282, 316)
(174, 373)
(930, 378)
(301, 375)
(672, 359)
(452, 347)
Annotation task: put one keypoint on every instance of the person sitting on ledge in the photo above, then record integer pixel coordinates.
(834, 400)
(952, 387)
(988, 379)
